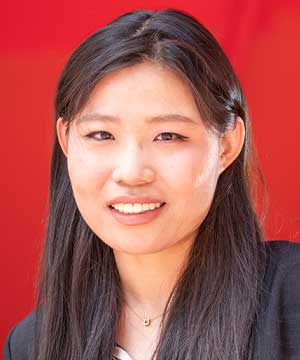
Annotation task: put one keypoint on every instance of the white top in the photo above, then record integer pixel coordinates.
(120, 354)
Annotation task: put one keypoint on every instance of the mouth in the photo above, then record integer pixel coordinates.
(138, 212)
(137, 218)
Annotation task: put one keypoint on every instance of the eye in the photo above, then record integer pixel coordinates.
(92, 135)
(168, 136)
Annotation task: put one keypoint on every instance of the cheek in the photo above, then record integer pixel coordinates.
(193, 178)
(205, 175)
(86, 170)
(193, 169)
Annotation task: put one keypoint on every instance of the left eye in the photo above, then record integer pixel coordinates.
(167, 136)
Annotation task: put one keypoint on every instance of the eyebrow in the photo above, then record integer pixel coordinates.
(155, 119)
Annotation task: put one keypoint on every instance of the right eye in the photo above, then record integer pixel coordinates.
(93, 136)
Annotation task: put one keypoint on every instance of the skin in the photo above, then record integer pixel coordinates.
(136, 159)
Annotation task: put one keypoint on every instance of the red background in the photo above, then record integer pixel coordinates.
(261, 39)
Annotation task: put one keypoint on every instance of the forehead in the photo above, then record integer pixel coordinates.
(145, 75)
(145, 89)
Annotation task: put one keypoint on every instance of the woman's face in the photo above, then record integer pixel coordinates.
(125, 143)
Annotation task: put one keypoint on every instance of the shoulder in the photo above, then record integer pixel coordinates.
(283, 268)
(279, 317)
(283, 271)
(19, 339)
(283, 252)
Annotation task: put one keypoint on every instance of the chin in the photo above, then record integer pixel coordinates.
(137, 249)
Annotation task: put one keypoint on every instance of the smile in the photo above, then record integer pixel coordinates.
(139, 217)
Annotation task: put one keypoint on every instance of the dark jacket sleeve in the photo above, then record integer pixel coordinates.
(7, 345)
(278, 336)
(19, 339)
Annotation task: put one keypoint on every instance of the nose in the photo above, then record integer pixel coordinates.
(131, 168)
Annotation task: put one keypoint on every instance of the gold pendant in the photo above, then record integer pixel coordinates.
(146, 322)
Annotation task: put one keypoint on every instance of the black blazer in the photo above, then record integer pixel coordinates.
(278, 327)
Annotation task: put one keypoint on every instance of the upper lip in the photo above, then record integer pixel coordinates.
(133, 200)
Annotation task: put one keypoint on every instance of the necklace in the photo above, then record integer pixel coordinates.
(146, 320)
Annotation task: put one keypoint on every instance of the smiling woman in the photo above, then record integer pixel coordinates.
(136, 159)
(154, 248)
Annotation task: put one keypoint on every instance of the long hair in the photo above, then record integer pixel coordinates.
(212, 310)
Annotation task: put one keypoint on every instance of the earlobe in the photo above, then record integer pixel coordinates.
(231, 144)
(61, 131)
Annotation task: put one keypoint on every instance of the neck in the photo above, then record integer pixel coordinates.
(148, 279)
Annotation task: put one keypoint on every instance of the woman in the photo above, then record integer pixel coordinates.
(154, 249)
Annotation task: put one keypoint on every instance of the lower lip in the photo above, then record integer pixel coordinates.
(136, 219)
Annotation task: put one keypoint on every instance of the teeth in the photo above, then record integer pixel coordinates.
(135, 208)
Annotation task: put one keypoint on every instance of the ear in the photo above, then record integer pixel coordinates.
(231, 144)
(61, 130)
